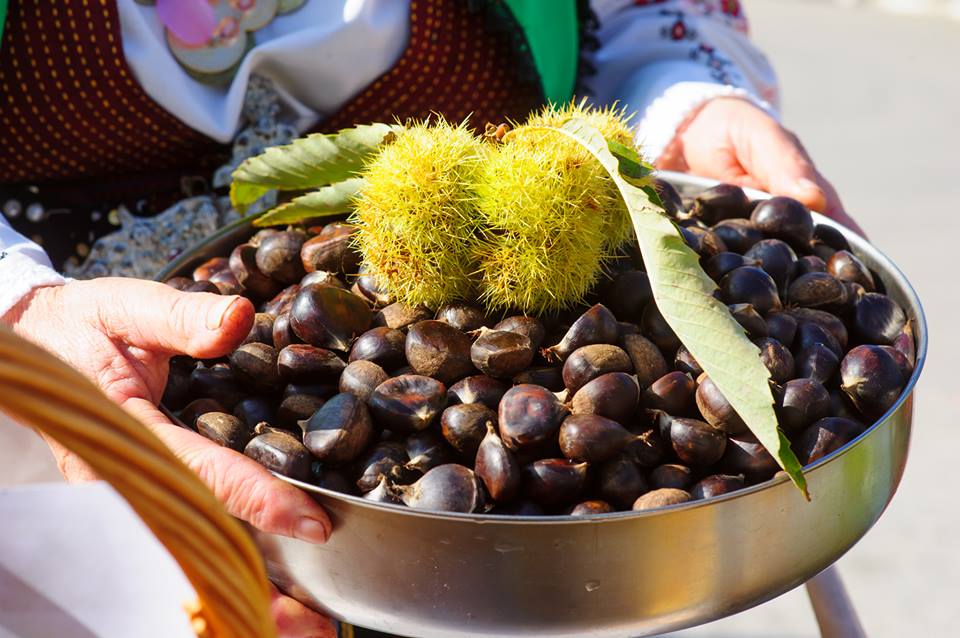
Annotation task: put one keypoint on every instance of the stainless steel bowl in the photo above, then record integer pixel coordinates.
(625, 574)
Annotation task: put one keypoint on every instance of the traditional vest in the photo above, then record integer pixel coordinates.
(79, 134)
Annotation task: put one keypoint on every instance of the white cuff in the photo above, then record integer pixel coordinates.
(19, 274)
(669, 111)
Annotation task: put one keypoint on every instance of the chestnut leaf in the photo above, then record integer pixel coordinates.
(683, 294)
(308, 162)
(328, 200)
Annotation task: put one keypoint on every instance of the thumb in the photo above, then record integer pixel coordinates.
(245, 487)
(155, 317)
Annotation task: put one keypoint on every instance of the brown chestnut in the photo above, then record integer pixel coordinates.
(465, 425)
(620, 481)
(671, 475)
(384, 346)
(751, 285)
(278, 256)
(663, 497)
(648, 362)
(786, 219)
(800, 402)
(872, 379)
(445, 488)
(501, 354)
(614, 395)
(673, 393)
(715, 485)
(280, 452)
(361, 378)
(224, 429)
(497, 467)
(846, 266)
(592, 438)
(439, 350)
(554, 482)
(528, 416)
(716, 409)
(478, 388)
(329, 317)
(595, 326)
(407, 403)
(303, 363)
(589, 362)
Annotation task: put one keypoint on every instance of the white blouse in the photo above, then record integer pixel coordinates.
(660, 59)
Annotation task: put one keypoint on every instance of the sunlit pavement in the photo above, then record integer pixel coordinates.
(875, 99)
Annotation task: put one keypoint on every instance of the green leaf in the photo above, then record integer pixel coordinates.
(329, 200)
(631, 164)
(683, 294)
(308, 162)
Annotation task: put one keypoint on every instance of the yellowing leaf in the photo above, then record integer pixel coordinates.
(683, 294)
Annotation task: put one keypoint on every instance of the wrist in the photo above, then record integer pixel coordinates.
(18, 317)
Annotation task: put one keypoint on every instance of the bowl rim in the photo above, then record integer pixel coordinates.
(860, 246)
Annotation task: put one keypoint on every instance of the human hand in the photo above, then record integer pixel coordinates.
(732, 140)
(121, 334)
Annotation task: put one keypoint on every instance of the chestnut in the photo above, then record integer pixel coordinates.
(719, 265)
(278, 256)
(529, 415)
(745, 455)
(669, 197)
(407, 403)
(684, 362)
(554, 482)
(283, 334)
(530, 327)
(877, 319)
(589, 362)
(340, 430)
(384, 492)
(193, 410)
(280, 452)
(427, 450)
(657, 330)
(331, 250)
(501, 354)
(586, 508)
(549, 377)
(723, 201)
(371, 289)
(465, 425)
(817, 290)
(673, 393)
(497, 467)
(846, 266)
(255, 365)
(695, 442)
(748, 317)
(261, 331)
(775, 258)
(303, 363)
(384, 346)
(439, 350)
(703, 241)
(361, 378)
(210, 267)
(254, 410)
(716, 409)
(828, 321)
(782, 327)
(750, 285)
(615, 395)
(595, 326)
(628, 294)
(738, 234)
(243, 265)
(321, 278)
(399, 316)
(715, 485)
(388, 460)
(808, 264)
(295, 408)
(648, 362)
(329, 317)
(671, 475)
(463, 316)
(825, 436)
(663, 497)
(648, 449)
(224, 429)
(872, 378)
(218, 383)
(477, 389)
(784, 218)
(176, 393)
(800, 402)
(445, 488)
(620, 481)
(817, 362)
(592, 438)
(777, 359)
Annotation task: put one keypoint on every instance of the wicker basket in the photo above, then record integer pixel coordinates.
(213, 549)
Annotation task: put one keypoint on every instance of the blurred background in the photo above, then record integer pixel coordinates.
(873, 90)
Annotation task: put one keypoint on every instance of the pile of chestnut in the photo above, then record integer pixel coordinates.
(594, 410)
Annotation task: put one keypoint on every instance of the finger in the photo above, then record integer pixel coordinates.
(295, 620)
(245, 487)
(158, 318)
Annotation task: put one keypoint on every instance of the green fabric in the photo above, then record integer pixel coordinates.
(3, 18)
(552, 31)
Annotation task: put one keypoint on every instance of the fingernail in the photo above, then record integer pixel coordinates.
(218, 311)
(805, 184)
(311, 530)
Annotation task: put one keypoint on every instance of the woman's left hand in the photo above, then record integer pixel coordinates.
(732, 140)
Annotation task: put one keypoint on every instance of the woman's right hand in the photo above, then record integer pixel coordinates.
(121, 334)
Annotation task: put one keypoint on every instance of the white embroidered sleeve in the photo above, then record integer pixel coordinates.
(23, 267)
(663, 60)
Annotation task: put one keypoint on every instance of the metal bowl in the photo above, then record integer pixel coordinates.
(626, 574)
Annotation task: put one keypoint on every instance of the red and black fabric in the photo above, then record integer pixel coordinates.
(79, 135)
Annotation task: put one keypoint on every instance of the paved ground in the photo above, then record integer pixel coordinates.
(875, 97)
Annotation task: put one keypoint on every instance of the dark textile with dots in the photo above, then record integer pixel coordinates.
(80, 136)
(455, 64)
